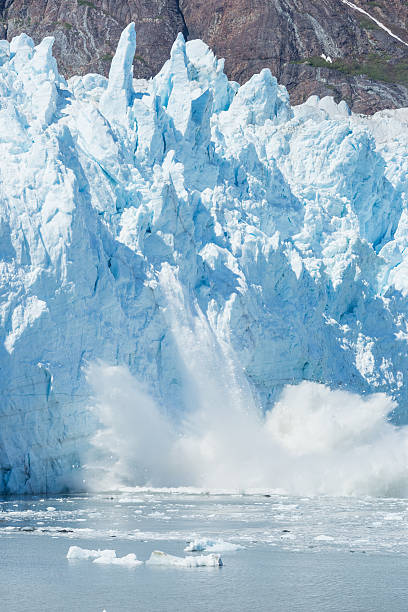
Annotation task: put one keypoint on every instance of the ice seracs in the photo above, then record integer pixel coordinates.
(118, 96)
(285, 229)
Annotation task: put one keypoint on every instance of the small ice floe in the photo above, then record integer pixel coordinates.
(214, 546)
(51, 509)
(324, 538)
(130, 500)
(65, 530)
(103, 557)
(391, 516)
(27, 528)
(286, 535)
(161, 558)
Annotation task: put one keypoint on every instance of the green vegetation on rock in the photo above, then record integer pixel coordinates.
(374, 67)
(86, 3)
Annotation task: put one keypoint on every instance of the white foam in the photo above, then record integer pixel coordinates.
(315, 440)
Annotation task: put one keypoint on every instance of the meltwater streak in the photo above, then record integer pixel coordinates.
(314, 441)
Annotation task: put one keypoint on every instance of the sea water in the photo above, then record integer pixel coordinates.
(294, 553)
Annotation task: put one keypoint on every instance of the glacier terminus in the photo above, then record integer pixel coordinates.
(190, 232)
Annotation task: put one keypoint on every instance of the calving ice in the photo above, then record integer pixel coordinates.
(179, 256)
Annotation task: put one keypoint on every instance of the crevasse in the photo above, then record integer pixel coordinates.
(286, 229)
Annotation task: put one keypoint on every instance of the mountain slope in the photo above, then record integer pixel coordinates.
(369, 69)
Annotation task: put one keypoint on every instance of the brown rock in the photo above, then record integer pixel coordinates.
(370, 68)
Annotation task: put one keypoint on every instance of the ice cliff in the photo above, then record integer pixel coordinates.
(284, 229)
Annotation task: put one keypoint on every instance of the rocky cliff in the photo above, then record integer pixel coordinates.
(368, 67)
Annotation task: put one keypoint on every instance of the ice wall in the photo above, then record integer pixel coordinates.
(286, 229)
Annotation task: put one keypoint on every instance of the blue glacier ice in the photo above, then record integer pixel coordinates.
(282, 230)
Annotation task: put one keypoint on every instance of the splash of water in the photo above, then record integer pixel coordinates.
(314, 441)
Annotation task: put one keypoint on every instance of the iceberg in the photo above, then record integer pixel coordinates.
(129, 210)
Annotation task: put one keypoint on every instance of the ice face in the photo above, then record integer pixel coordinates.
(286, 230)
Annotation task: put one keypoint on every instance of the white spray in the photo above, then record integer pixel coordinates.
(314, 441)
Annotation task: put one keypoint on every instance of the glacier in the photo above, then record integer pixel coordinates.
(127, 205)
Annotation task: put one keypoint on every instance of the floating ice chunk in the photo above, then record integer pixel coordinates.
(324, 538)
(103, 557)
(160, 558)
(393, 517)
(214, 546)
(288, 536)
(76, 552)
(107, 558)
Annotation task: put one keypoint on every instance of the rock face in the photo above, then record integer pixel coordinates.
(369, 67)
(192, 231)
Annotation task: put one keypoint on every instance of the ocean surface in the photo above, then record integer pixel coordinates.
(295, 553)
